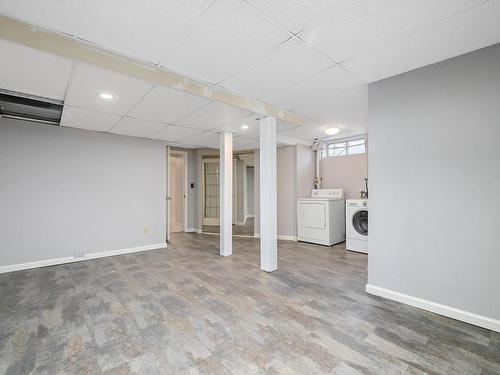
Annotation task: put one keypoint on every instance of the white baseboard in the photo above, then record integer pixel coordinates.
(191, 230)
(102, 254)
(280, 237)
(451, 312)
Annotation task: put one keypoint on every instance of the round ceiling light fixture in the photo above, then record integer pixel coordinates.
(244, 126)
(106, 95)
(332, 131)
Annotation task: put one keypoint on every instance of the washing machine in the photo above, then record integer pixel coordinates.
(321, 217)
(357, 225)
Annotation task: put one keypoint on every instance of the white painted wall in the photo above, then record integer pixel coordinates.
(434, 179)
(65, 189)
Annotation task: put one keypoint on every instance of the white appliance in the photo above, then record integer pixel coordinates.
(357, 225)
(321, 218)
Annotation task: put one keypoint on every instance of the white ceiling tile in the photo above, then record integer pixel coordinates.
(251, 121)
(368, 24)
(286, 66)
(309, 132)
(174, 133)
(212, 116)
(297, 15)
(206, 139)
(33, 72)
(148, 29)
(230, 37)
(164, 104)
(56, 15)
(253, 130)
(88, 82)
(317, 92)
(468, 31)
(136, 127)
(89, 120)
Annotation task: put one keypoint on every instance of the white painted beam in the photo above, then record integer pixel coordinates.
(268, 196)
(226, 193)
(62, 45)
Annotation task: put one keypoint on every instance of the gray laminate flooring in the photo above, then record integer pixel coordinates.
(239, 230)
(186, 310)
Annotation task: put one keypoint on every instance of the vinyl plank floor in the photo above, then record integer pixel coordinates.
(186, 310)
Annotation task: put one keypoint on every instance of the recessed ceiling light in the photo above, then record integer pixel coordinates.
(106, 95)
(244, 126)
(332, 131)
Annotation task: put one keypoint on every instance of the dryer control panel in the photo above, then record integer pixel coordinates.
(327, 193)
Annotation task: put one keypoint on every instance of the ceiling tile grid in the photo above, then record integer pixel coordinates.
(167, 105)
(174, 133)
(297, 15)
(466, 32)
(212, 116)
(316, 92)
(136, 127)
(57, 15)
(146, 29)
(48, 77)
(230, 37)
(88, 82)
(289, 64)
(90, 120)
(365, 25)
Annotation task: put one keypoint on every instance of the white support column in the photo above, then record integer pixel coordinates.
(268, 200)
(226, 193)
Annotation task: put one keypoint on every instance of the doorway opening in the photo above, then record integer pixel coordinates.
(243, 181)
(177, 191)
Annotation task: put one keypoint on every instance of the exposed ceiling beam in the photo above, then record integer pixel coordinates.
(22, 33)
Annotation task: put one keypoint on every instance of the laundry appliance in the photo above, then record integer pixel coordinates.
(321, 217)
(357, 225)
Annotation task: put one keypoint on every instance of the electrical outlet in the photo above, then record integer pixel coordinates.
(78, 253)
(145, 231)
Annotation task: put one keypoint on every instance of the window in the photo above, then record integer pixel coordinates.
(344, 147)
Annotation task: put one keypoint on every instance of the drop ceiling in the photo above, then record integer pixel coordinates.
(313, 57)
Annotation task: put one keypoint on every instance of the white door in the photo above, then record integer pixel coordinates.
(177, 194)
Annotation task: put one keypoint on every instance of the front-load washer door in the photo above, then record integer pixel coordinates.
(359, 224)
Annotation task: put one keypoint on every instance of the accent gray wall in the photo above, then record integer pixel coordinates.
(434, 178)
(64, 189)
(286, 185)
(250, 189)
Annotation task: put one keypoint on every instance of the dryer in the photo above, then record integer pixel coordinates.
(321, 218)
(357, 225)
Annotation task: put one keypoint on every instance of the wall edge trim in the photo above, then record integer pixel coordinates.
(448, 311)
(64, 260)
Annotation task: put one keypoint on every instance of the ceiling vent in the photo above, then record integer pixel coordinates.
(30, 108)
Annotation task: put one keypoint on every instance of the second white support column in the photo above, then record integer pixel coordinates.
(226, 193)
(268, 197)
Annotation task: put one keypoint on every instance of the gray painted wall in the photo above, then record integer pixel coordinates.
(306, 165)
(286, 186)
(435, 183)
(65, 189)
(250, 189)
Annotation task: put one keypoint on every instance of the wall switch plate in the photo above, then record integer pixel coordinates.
(78, 253)
(145, 231)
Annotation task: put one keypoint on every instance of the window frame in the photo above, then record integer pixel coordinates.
(330, 145)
